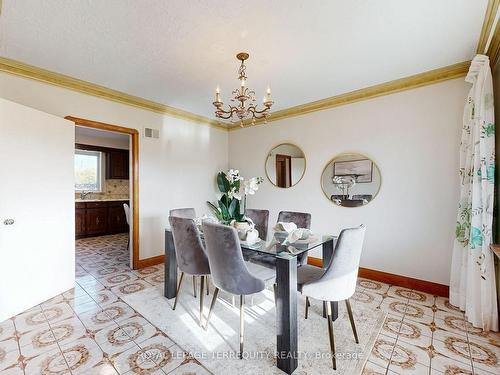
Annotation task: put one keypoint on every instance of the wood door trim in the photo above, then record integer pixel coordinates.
(393, 279)
(135, 175)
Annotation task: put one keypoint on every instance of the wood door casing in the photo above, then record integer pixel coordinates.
(134, 175)
(283, 170)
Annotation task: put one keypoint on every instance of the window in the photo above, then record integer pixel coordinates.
(88, 170)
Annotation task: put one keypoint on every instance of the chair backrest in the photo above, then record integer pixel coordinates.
(187, 213)
(229, 271)
(126, 208)
(301, 219)
(189, 251)
(339, 280)
(261, 220)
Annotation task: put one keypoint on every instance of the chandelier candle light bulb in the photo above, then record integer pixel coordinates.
(246, 109)
(217, 95)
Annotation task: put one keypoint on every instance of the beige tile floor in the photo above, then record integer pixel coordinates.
(90, 330)
(424, 334)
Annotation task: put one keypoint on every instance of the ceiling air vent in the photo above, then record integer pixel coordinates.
(151, 133)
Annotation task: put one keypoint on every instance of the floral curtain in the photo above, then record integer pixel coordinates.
(472, 284)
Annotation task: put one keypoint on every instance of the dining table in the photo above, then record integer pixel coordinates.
(285, 255)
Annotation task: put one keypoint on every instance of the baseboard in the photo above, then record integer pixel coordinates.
(393, 279)
(148, 262)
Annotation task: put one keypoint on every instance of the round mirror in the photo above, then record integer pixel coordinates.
(285, 165)
(351, 180)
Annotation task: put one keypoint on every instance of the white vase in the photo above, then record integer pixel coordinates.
(242, 228)
(252, 236)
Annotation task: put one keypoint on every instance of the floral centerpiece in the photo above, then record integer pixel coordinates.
(230, 207)
(343, 184)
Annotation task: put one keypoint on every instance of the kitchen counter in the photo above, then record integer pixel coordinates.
(101, 200)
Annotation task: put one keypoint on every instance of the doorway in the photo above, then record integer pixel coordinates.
(106, 218)
(283, 170)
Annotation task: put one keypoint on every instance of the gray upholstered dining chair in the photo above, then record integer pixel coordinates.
(187, 213)
(230, 272)
(261, 220)
(301, 219)
(190, 254)
(338, 281)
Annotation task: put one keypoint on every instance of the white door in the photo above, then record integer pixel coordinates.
(37, 234)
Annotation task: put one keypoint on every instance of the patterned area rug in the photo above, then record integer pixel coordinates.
(216, 348)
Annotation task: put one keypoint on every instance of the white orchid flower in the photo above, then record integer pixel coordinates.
(233, 175)
(252, 185)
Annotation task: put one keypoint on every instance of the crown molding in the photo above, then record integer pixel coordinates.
(391, 87)
(29, 71)
(489, 19)
(427, 78)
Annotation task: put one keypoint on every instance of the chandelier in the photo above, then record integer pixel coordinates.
(244, 98)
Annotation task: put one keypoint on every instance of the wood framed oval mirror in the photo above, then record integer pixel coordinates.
(351, 180)
(285, 165)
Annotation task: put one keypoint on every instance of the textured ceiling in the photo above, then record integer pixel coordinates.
(177, 52)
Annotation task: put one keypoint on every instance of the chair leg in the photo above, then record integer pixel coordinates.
(178, 290)
(307, 307)
(208, 284)
(194, 286)
(202, 294)
(330, 334)
(214, 299)
(275, 290)
(351, 318)
(242, 324)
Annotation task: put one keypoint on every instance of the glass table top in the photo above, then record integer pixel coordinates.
(276, 244)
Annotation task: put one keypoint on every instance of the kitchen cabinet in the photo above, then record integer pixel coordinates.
(80, 219)
(96, 221)
(117, 164)
(100, 218)
(117, 222)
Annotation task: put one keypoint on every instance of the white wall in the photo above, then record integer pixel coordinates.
(37, 254)
(412, 136)
(176, 170)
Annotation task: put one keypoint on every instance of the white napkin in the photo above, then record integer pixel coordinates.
(298, 234)
(285, 227)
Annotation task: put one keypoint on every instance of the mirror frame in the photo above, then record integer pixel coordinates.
(267, 157)
(348, 154)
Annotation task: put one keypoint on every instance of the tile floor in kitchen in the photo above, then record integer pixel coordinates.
(90, 330)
